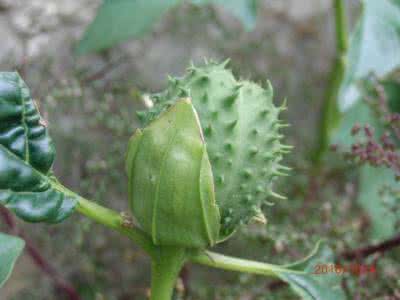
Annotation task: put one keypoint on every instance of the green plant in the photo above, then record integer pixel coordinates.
(371, 50)
(172, 149)
(242, 137)
(375, 151)
(11, 248)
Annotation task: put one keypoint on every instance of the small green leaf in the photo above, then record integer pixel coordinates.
(10, 248)
(374, 47)
(312, 286)
(119, 20)
(27, 185)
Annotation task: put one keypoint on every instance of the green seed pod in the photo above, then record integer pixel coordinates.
(171, 186)
(240, 125)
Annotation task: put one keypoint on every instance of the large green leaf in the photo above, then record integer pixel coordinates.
(27, 185)
(375, 183)
(10, 248)
(374, 47)
(120, 20)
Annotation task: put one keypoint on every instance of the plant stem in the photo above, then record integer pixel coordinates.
(229, 263)
(330, 111)
(341, 27)
(112, 220)
(165, 270)
(115, 221)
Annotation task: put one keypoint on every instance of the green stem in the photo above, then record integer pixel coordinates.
(164, 272)
(341, 26)
(330, 112)
(167, 261)
(115, 221)
(229, 263)
(112, 220)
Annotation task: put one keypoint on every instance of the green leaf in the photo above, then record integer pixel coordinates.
(244, 10)
(119, 20)
(302, 276)
(374, 47)
(377, 198)
(10, 248)
(375, 183)
(311, 286)
(27, 185)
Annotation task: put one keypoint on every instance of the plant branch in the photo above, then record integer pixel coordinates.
(115, 221)
(330, 112)
(111, 219)
(371, 249)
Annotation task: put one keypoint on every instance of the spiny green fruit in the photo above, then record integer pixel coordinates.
(171, 185)
(240, 125)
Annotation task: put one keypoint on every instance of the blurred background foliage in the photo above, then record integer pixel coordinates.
(90, 102)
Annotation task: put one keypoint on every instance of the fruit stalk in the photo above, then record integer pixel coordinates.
(165, 270)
